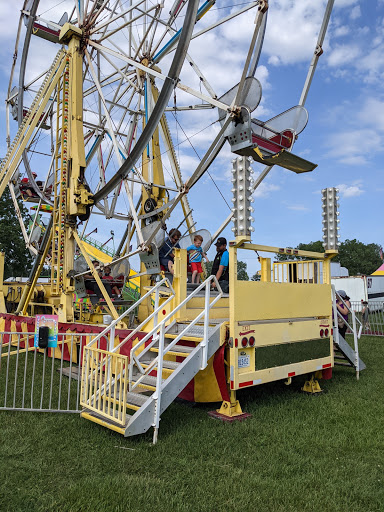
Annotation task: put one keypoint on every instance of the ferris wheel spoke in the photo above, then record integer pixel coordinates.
(96, 10)
(130, 61)
(102, 178)
(115, 144)
(144, 42)
(119, 71)
(152, 72)
(107, 81)
(225, 19)
(201, 77)
(240, 96)
(116, 17)
(107, 35)
(80, 11)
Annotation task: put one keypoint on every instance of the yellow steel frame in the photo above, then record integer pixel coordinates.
(31, 121)
(279, 315)
(104, 371)
(2, 297)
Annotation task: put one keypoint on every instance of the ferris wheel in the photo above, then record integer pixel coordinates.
(138, 70)
(142, 64)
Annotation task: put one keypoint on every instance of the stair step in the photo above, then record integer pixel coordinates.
(148, 382)
(163, 290)
(136, 398)
(184, 338)
(194, 331)
(115, 400)
(167, 365)
(340, 363)
(176, 350)
(91, 416)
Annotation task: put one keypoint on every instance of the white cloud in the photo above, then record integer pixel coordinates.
(355, 13)
(354, 147)
(353, 190)
(343, 54)
(345, 3)
(274, 60)
(372, 113)
(292, 30)
(341, 31)
(265, 189)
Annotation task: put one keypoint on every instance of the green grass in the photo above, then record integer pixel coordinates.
(296, 453)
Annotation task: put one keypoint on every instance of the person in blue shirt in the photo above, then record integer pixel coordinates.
(196, 255)
(166, 256)
(220, 264)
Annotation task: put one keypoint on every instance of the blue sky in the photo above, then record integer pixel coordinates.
(344, 135)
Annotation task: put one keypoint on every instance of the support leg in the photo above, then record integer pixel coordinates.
(230, 411)
(312, 386)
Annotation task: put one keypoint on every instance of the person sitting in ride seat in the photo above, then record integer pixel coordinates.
(166, 255)
(89, 282)
(220, 265)
(196, 255)
(107, 277)
(26, 188)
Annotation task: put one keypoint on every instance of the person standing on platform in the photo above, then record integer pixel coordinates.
(166, 256)
(220, 267)
(196, 255)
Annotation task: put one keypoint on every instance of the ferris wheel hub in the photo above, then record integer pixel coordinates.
(68, 32)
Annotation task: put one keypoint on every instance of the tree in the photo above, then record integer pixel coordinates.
(242, 271)
(17, 258)
(312, 246)
(256, 277)
(208, 267)
(357, 257)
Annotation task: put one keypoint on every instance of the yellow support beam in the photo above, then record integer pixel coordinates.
(13, 157)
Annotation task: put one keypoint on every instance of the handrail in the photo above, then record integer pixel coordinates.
(98, 245)
(113, 324)
(353, 328)
(134, 359)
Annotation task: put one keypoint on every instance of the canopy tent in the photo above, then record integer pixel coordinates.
(379, 271)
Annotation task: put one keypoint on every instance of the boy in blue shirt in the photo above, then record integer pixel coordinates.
(196, 255)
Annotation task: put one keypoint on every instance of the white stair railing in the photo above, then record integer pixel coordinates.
(158, 334)
(356, 328)
(110, 331)
(155, 333)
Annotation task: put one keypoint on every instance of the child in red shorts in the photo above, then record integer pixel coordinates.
(196, 254)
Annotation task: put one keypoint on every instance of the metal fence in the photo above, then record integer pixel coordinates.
(371, 316)
(45, 380)
(306, 272)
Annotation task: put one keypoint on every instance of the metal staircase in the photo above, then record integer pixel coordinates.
(344, 354)
(128, 393)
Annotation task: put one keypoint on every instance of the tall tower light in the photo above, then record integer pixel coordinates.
(242, 190)
(330, 219)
